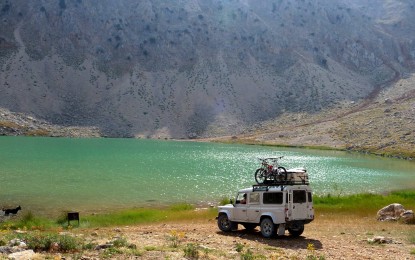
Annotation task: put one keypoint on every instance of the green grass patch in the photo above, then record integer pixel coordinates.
(126, 217)
(358, 204)
(411, 238)
(182, 212)
(363, 204)
(179, 212)
(182, 206)
(27, 221)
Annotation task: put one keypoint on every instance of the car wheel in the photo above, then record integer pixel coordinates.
(224, 223)
(296, 229)
(267, 227)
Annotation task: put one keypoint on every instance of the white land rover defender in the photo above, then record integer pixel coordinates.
(275, 207)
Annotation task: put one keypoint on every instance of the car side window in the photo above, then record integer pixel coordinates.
(299, 196)
(253, 198)
(310, 198)
(241, 198)
(273, 198)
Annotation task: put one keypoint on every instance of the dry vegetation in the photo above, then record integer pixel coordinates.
(334, 234)
(330, 236)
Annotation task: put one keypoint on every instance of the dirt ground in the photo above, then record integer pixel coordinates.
(327, 237)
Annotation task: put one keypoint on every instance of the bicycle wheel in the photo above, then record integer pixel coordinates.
(282, 172)
(260, 176)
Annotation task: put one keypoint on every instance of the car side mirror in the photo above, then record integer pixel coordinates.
(231, 200)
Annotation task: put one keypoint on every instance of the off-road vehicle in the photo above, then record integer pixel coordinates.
(274, 206)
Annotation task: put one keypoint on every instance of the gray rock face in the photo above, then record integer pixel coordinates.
(174, 68)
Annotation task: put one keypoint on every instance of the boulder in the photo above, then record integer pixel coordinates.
(27, 254)
(391, 212)
(394, 212)
(408, 217)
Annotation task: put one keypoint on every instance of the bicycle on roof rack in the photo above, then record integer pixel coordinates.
(270, 171)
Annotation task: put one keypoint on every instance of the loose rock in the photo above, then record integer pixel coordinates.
(380, 240)
(391, 212)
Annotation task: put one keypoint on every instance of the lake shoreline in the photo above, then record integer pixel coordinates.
(97, 175)
(150, 236)
(403, 155)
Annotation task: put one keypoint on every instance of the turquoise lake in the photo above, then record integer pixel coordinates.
(92, 175)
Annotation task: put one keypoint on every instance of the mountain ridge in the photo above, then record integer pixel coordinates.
(188, 69)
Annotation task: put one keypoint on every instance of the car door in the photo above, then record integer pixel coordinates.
(253, 207)
(240, 210)
(298, 204)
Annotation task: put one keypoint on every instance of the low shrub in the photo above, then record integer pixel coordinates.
(120, 242)
(51, 242)
(225, 201)
(248, 255)
(191, 251)
(239, 247)
(175, 238)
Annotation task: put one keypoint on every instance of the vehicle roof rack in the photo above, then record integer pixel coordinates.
(303, 180)
(262, 187)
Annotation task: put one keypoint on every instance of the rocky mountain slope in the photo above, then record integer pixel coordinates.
(199, 68)
(383, 126)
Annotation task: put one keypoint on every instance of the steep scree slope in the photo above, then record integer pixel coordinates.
(196, 67)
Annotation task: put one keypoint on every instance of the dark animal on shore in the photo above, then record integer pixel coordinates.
(11, 211)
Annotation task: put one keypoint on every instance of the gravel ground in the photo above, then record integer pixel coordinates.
(328, 237)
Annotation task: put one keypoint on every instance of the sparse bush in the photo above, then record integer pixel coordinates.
(312, 253)
(191, 251)
(46, 242)
(136, 252)
(248, 255)
(225, 201)
(120, 242)
(175, 238)
(67, 243)
(239, 247)
(89, 246)
(110, 252)
(150, 248)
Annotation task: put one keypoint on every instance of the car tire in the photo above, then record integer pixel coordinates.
(267, 227)
(296, 229)
(224, 223)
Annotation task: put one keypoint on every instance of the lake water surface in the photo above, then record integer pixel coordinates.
(53, 174)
